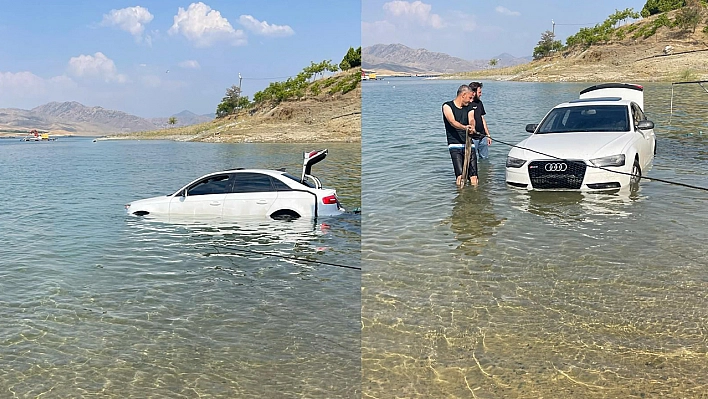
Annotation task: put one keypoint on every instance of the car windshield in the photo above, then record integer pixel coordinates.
(307, 183)
(586, 118)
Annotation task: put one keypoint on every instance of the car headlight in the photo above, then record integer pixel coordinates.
(512, 162)
(613, 160)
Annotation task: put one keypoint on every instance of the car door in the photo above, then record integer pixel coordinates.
(202, 198)
(646, 137)
(252, 194)
(301, 200)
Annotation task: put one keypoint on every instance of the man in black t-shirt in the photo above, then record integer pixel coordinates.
(482, 140)
(459, 121)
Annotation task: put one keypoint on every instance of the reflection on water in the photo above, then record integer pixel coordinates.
(494, 292)
(473, 219)
(575, 207)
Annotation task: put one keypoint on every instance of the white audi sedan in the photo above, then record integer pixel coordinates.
(601, 141)
(248, 193)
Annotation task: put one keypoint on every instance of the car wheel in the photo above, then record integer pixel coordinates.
(636, 175)
(285, 214)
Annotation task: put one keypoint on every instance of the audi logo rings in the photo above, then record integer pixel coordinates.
(556, 167)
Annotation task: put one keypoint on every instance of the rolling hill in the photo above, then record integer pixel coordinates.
(403, 59)
(77, 119)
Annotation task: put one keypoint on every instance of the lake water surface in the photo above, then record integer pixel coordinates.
(492, 292)
(96, 303)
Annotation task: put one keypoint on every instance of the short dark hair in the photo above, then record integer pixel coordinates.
(475, 85)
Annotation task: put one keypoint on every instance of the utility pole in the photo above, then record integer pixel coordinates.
(239, 82)
(553, 31)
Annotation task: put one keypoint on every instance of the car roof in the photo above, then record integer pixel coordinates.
(242, 170)
(595, 101)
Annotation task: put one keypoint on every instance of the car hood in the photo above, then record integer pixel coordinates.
(572, 145)
(152, 200)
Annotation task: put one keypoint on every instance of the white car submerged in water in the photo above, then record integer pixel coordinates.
(601, 141)
(248, 193)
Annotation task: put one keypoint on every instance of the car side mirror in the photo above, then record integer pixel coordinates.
(531, 127)
(645, 125)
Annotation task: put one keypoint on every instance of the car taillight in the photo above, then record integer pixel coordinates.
(329, 200)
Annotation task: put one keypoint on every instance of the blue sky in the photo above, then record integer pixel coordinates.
(476, 29)
(157, 58)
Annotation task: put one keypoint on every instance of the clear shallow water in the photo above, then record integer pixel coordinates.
(98, 303)
(492, 292)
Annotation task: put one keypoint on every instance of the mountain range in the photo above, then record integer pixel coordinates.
(75, 118)
(403, 59)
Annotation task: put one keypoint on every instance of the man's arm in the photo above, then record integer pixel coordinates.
(486, 131)
(470, 117)
(447, 112)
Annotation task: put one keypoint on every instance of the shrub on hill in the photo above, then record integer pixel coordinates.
(352, 59)
(601, 33)
(297, 87)
(650, 29)
(688, 17)
(653, 7)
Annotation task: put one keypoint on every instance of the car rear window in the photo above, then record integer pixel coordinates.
(251, 183)
(307, 183)
(586, 118)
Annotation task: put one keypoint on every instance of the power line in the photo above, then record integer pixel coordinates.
(605, 169)
(276, 77)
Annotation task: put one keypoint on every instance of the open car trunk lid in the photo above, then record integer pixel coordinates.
(624, 91)
(310, 159)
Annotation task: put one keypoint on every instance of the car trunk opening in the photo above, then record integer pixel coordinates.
(310, 159)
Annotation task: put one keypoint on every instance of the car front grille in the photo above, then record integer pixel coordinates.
(559, 174)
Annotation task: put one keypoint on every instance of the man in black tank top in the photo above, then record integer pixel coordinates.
(481, 139)
(459, 121)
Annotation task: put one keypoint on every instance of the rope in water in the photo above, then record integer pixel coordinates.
(285, 257)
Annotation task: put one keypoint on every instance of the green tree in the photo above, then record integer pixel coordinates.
(351, 60)
(653, 7)
(319, 69)
(493, 62)
(688, 17)
(172, 121)
(547, 45)
(232, 101)
(600, 33)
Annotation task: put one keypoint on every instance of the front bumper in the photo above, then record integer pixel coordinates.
(576, 175)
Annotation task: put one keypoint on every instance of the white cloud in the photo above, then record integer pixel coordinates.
(131, 20)
(264, 28)
(416, 11)
(374, 32)
(204, 27)
(506, 11)
(25, 89)
(95, 66)
(189, 64)
(10, 80)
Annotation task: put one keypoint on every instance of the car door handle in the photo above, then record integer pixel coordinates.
(215, 203)
(262, 202)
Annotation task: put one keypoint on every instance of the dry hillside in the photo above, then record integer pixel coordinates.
(314, 118)
(630, 59)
